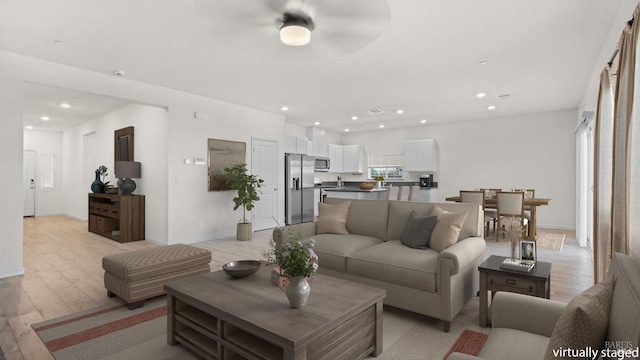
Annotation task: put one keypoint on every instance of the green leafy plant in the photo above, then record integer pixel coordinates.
(247, 187)
(378, 178)
(294, 257)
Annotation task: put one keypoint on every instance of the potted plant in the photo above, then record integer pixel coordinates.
(296, 261)
(247, 187)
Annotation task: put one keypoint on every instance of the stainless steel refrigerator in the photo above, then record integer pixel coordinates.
(299, 188)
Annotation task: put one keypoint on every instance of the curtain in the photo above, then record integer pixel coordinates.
(617, 166)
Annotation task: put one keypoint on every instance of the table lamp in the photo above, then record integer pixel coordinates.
(124, 171)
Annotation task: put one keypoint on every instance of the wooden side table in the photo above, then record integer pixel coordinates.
(537, 282)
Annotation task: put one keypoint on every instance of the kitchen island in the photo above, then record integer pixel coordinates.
(353, 192)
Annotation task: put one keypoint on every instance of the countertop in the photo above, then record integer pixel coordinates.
(353, 189)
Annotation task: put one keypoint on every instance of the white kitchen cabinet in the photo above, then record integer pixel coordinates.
(421, 155)
(319, 149)
(297, 145)
(355, 159)
(335, 158)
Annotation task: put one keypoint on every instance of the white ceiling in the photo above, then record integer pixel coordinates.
(418, 55)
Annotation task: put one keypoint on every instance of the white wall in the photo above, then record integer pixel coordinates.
(531, 151)
(48, 201)
(91, 144)
(11, 151)
(193, 213)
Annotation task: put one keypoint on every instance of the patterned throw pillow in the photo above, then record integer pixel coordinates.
(447, 229)
(332, 219)
(584, 321)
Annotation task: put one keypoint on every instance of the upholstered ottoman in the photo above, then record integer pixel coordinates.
(138, 275)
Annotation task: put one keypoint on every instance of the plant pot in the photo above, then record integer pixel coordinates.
(244, 232)
(298, 291)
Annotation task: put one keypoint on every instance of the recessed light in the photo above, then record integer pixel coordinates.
(346, 130)
(316, 123)
(65, 105)
(491, 107)
(481, 95)
(354, 117)
(381, 126)
(484, 62)
(29, 127)
(44, 118)
(423, 121)
(284, 108)
(399, 111)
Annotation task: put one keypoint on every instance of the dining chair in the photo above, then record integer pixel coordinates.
(510, 205)
(392, 193)
(404, 193)
(414, 193)
(528, 194)
(490, 209)
(476, 197)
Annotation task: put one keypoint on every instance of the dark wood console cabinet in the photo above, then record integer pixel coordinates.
(117, 217)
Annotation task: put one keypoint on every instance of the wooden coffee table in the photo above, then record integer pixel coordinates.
(219, 317)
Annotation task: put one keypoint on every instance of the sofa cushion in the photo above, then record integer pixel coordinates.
(395, 263)
(366, 217)
(333, 250)
(399, 211)
(506, 343)
(584, 321)
(447, 228)
(624, 317)
(332, 219)
(417, 230)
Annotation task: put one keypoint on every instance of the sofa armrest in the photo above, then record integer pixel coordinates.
(463, 253)
(303, 229)
(526, 313)
(461, 356)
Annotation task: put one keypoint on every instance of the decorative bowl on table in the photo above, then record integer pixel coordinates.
(241, 268)
(366, 185)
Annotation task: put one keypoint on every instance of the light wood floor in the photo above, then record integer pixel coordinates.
(63, 275)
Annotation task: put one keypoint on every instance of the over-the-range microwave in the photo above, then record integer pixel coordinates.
(322, 164)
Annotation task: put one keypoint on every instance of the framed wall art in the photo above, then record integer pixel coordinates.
(223, 154)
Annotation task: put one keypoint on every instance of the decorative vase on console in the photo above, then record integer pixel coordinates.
(97, 186)
(513, 232)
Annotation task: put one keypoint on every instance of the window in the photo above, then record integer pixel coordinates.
(388, 166)
(389, 173)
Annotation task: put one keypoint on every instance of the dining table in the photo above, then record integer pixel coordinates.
(531, 204)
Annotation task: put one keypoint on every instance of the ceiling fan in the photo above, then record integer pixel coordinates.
(317, 26)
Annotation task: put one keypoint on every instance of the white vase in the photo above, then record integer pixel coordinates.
(298, 291)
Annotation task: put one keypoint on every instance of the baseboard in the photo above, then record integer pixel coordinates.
(557, 227)
(155, 241)
(13, 273)
(76, 217)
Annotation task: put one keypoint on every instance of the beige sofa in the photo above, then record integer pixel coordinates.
(523, 326)
(436, 284)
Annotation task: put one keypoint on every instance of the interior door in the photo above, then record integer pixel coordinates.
(28, 183)
(264, 164)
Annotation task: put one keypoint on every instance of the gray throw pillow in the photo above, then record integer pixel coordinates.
(417, 230)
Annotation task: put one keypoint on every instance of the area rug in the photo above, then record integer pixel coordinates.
(112, 332)
(427, 341)
(550, 241)
(469, 342)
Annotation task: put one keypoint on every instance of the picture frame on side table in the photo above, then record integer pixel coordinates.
(528, 250)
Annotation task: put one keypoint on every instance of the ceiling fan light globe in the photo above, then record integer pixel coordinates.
(295, 35)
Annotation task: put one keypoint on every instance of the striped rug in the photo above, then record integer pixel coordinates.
(112, 332)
